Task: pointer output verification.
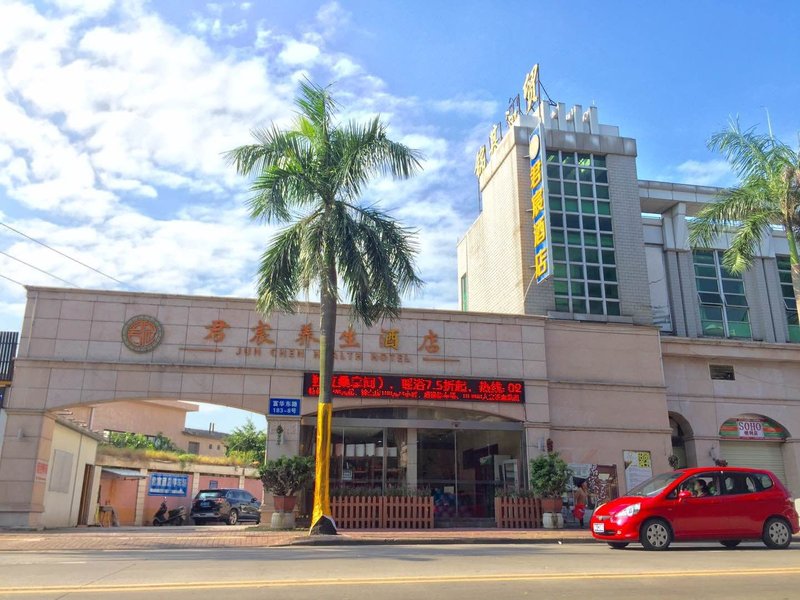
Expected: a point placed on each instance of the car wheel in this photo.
(618, 545)
(730, 543)
(156, 523)
(233, 517)
(776, 533)
(655, 535)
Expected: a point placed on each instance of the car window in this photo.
(209, 494)
(702, 485)
(762, 481)
(247, 497)
(652, 487)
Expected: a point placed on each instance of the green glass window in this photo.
(581, 282)
(790, 305)
(723, 304)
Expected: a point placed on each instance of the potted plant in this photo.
(283, 478)
(549, 475)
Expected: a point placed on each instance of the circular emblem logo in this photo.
(142, 333)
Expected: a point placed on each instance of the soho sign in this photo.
(751, 429)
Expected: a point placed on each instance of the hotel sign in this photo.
(539, 204)
(402, 387)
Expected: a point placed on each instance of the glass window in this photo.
(574, 234)
(721, 314)
(790, 304)
(552, 157)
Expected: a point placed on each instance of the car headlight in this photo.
(631, 510)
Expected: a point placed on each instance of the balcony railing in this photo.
(8, 350)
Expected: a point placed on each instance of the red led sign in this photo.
(402, 387)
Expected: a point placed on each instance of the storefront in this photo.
(459, 457)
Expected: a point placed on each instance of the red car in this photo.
(728, 504)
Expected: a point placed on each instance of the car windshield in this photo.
(210, 494)
(654, 485)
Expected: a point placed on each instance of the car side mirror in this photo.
(684, 494)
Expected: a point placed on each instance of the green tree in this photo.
(246, 442)
(768, 194)
(310, 177)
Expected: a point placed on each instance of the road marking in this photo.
(209, 585)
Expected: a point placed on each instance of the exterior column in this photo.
(25, 448)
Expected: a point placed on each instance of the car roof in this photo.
(222, 490)
(706, 469)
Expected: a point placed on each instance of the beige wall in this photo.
(767, 383)
(579, 378)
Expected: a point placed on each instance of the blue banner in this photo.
(168, 484)
(284, 407)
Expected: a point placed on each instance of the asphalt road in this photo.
(462, 572)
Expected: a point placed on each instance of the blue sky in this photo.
(114, 113)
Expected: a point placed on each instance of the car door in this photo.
(749, 501)
(698, 517)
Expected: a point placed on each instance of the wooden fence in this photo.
(518, 513)
(382, 512)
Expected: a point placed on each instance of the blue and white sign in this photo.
(284, 407)
(168, 484)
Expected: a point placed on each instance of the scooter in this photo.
(164, 516)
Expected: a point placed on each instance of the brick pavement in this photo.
(135, 538)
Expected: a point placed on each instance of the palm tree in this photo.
(768, 194)
(309, 177)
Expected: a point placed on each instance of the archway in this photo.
(681, 430)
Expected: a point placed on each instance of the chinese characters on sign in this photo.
(418, 388)
(638, 467)
(480, 161)
(539, 205)
(284, 407)
(167, 484)
(530, 88)
(216, 331)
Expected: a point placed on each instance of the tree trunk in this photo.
(321, 521)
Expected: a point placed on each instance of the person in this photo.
(700, 488)
(581, 500)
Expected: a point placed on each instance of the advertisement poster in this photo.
(601, 483)
(638, 467)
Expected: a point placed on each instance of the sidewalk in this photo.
(133, 538)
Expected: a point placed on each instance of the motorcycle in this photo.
(165, 516)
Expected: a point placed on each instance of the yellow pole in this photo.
(322, 499)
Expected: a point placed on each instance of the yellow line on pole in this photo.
(144, 587)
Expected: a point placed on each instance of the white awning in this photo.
(124, 473)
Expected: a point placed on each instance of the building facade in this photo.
(567, 230)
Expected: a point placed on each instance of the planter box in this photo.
(518, 513)
(382, 512)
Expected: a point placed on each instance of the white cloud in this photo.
(299, 53)
(712, 172)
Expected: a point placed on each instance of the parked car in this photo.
(727, 504)
(225, 504)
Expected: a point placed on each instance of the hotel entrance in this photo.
(458, 457)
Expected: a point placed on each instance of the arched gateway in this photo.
(449, 399)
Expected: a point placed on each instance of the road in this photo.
(463, 572)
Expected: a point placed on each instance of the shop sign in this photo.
(399, 387)
(284, 407)
(752, 427)
(539, 205)
(168, 484)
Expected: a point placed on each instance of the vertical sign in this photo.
(539, 203)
